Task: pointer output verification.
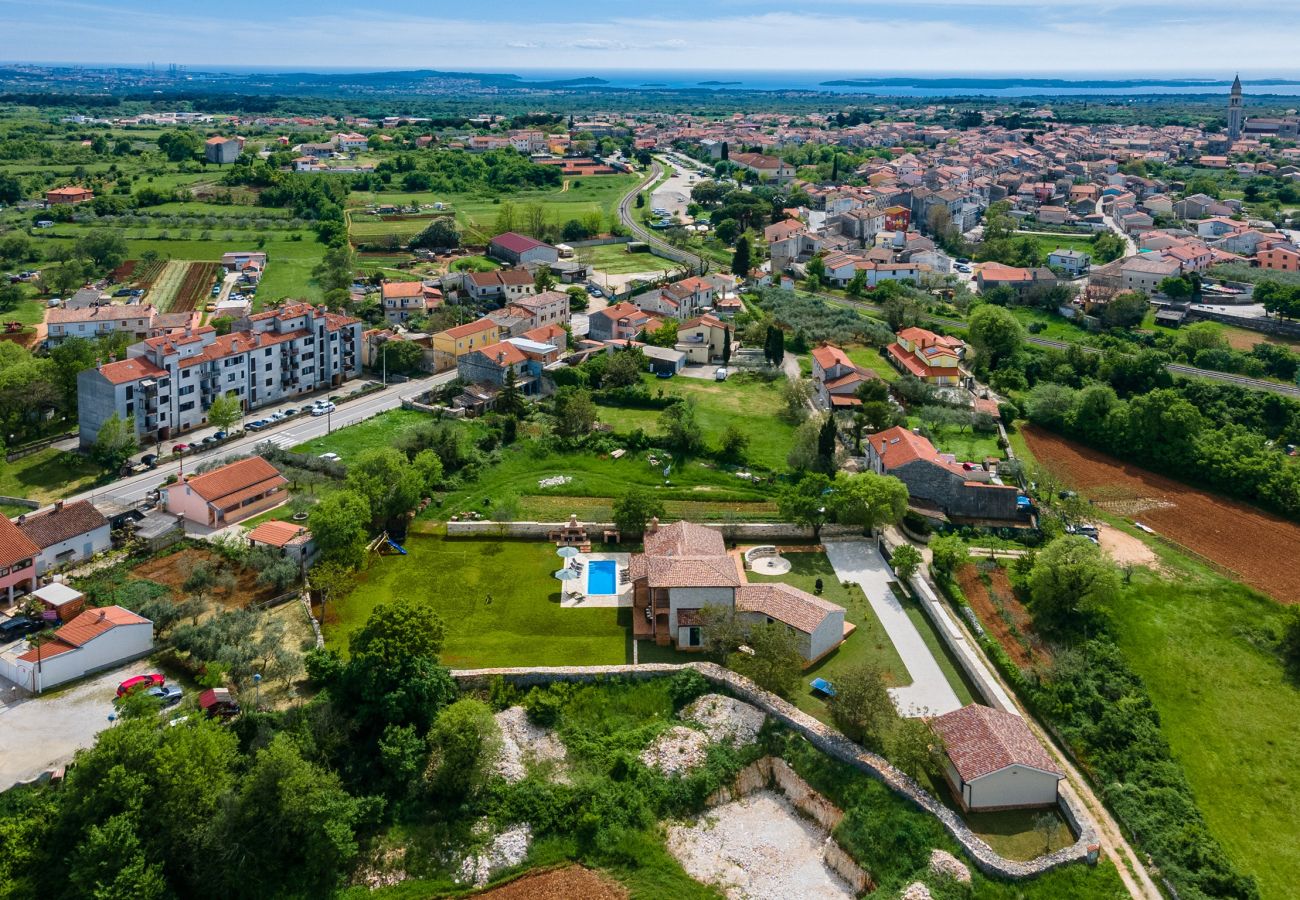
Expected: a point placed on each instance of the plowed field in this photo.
(1262, 549)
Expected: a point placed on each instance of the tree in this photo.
(734, 444)
(857, 286)
(913, 747)
(105, 249)
(384, 477)
(1125, 310)
(634, 510)
(681, 428)
(225, 411)
(815, 273)
(543, 279)
(796, 394)
(995, 333)
(578, 298)
(464, 744)
(115, 443)
(1071, 579)
(906, 560)
(805, 502)
(775, 664)
(740, 261)
(726, 345)
(774, 346)
(441, 234)
(948, 552)
(826, 445)
(428, 467)
(338, 525)
(510, 402)
(67, 278)
(624, 368)
(575, 412)
(861, 707)
(868, 500)
(1175, 288)
(1049, 404)
(1289, 644)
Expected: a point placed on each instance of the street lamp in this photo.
(257, 689)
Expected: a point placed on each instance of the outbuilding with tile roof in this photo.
(995, 761)
(96, 639)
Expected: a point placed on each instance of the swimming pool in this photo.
(602, 577)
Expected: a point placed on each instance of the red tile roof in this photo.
(278, 533)
(980, 741)
(83, 629)
(392, 289)
(786, 604)
(132, 369)
(223, 484)
(58, 525)
(14, 545)
(517, 243)
(828, 357)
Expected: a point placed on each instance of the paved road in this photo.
(929, 694)
(285, 434)
(644, 234)
(43, 733)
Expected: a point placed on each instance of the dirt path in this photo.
(564, 186)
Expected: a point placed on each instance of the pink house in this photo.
(228, 494)
(17, 561)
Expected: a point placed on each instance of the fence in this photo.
(274, 601)
(765, 532)
(37, 446)
(1265, 325)
(20, 501)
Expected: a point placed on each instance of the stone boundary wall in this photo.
(774, 772)
(825, 739)
(1265, 325)
(767, 532)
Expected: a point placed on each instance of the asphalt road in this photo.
(646, 235)
(286, 434)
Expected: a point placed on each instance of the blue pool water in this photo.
(602, 577)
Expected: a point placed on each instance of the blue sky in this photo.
(1207, 37)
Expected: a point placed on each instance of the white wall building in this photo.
(96, 639)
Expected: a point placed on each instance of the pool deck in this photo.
(582, 600)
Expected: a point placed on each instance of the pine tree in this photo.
(826, 445)
(726, 346)
(835, 169)
(740, 259)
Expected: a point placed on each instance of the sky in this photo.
(1203, 37)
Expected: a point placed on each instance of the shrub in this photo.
(685, 686)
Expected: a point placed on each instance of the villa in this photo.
(686, 567)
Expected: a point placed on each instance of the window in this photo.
(186, 391)
(230, 379)
(130, 408)
(186, 407)
(270, 381)
(693, 636)
(266, 352)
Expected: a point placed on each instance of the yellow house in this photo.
(702, 339)
(450, 345)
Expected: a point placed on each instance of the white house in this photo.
(994, 760)
(97, 639)
(66, 534)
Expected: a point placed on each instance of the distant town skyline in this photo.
(990, 36)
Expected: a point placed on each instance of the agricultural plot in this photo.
(1246, 541)
(181, 285)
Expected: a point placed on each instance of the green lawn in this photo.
(377, 432)
(870, 358)
(964, 443)
(1227, 708)
(753, 406)
(48, 475)
(615, 260)
(491, 619)
(868, 644)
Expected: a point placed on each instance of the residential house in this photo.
(135, 320)
(704, 339)
(994, 760)
(767, 168)
(1282, 258)
(680, 300)
(518, 249)
(17, 562)
(289, 539)
(686, 568)
(351, 142)
(241, 261)
(836, 378)
(933, 358)
(68, 533)
(228, 494)
(1145, 271)
(221, 150)
(1074, 262)
(546, 308)
(939, 487)
(490, 364)
(167, 383)
(504, 285)
(72, 194)
(621, 322)
(95, 640)
(403, 299)
(452, 344)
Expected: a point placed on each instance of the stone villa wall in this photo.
(829, 741)
(766, 532)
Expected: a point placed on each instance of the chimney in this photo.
(58, 506)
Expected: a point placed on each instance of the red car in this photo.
(180, 448)
(140, 681)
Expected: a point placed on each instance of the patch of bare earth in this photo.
(524, 744)
(1002, 615)
(569, 883)
(1256, 546)
(1127, 550)
(758, 847)
(173, 569)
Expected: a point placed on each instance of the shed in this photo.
(995, 761)
(664, 361)
(96, 639)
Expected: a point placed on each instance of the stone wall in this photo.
(766, 532)
(1264, 324)
(824, 738)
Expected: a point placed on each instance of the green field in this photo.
(491, 620)
(964, 443)
(752, 406)
(377, 432)
(48, 475)
(615, 260)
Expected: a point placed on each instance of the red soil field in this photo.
(998, 618)
(1261, 549)
(558, 884)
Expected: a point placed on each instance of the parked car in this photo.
(322, 407)
(149, 459)
(277, 416)
(257, 425)
(169, 694)
(220, 435)
(180, 448)
(209, 440)
(330, 457)
(154, 679)
(965, 270)
(18, 627)
(125, 292)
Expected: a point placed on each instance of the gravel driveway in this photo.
(43, 732)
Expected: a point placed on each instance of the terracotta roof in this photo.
(132, 369)
(546, 334)
(83, 629)
(786, 604)
(503, 354)
(279, 533)
(993, 271)
(58, 525)
(402, 289)
(517, 243)
(917, 367)
(898, 446)
(14, 545)
(685, 539)
(219, 485)
(980, 741)
(828, 357)
(475, 327)
(107, 312)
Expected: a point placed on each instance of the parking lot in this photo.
(42, 733)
